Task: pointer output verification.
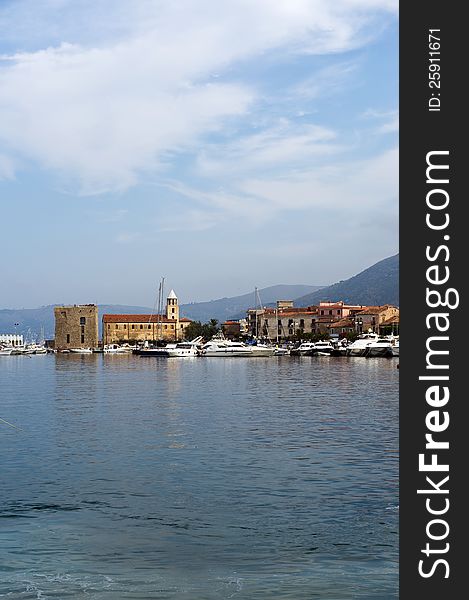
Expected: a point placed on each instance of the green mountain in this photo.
(377, 285)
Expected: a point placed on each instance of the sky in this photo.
(221, 145)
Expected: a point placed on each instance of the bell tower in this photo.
(172, 307)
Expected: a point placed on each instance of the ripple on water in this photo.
(198, 479)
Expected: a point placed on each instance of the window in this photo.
(330, 312)
(82, 339)
(302, 323)
(133, 326)
(279, 323)
(172, 310)
(125, 326)
(149, 327)
(82, 320)
(109, 326)
(338, 312)
(117, 326)
(68, 338)
(322, 312)
(141, 326)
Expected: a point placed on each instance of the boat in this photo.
(360, 345)
(263, 350)
(340, 349)
(220, 346)
(380, 347)
(81, 350)
(281, 351)
(395, 347)
(185, 349)
(116, 349)
(5, 351)
(304, 349)
(157, 351)
(323, 348)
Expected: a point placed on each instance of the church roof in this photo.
(172, 295)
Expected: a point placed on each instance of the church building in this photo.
(146, 328)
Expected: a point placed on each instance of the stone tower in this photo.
(172, 307)
(76, 326)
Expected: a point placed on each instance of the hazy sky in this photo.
(223, 145)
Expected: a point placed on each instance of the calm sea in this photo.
(198, 479)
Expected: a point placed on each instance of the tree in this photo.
(206, 330)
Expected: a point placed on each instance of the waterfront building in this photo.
(372, 318)
(342, 327)
(146, 327)
(286, 321)
(76, 326)
(11, 339)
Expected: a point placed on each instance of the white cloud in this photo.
(101, 107)
(286, 145)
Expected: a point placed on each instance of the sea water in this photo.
(205, 478)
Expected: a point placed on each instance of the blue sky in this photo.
(222, 145)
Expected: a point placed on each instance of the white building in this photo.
(11, 339)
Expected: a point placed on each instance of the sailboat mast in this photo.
(255, 305)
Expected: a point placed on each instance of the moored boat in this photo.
(185, 349)
(304, 349)
(323, 348)
(360, 345)
(381, 347)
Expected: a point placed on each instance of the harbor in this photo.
(327, 329)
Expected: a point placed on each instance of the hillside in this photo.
(229, 308)
(377, 285)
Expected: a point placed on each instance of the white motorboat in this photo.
(323, 348)
(5, 351)
(304, 349)
(116, 349)
(81, 350)
(185, 349)
(219, 346)
(379, 347)
(360, 345)
(281, 351)
(263, 350)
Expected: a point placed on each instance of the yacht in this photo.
(116, 349)
(395, 347)
(304, 349)
(184, 349)
(380, 347)
(5, 351)
(323, 348)
(263, 349)
(360, 345)
(81, 350)
(219, 346)
(158, 351)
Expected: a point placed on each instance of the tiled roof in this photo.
(371, 310)
(342, 323)
(391, 320)
(139, 319)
